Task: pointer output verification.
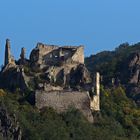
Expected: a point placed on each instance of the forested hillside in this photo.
(119, 118)
(119, 67)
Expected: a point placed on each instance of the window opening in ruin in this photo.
(56, 56)
(50, 55)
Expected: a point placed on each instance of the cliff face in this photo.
(9, 126)
(134, 69)
(134, 77)
(13, 77)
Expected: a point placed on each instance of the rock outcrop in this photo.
(134, 68)
(9, 126)
(13, 77)
(134, 77)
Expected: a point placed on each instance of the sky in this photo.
(97, 24)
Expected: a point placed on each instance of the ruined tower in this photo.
(22, 56)
(95, 101)
(98, 90)
(8, 58)
(7, 53)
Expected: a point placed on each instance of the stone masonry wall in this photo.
(95, 102)
(79, 55)
(62, 100)
(45, 49)
(50, 54)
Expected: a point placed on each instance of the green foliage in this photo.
(112, 64)
(121, 112)
(119, 119)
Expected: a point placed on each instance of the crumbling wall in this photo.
(54, 55)
(95, 101)
(62, 100)
(41, 53)
(45, 49)
(79, 55)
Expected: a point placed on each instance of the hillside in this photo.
(118, 119)
(121, 66)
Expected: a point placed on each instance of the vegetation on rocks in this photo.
(119, 118)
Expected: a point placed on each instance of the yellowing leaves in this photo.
(2, 93)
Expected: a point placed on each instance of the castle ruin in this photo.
(44, 55)
(57, 76)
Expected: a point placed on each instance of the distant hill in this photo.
(121, 66)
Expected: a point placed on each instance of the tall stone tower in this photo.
(95, 102)
(22, 56)
(7, 53)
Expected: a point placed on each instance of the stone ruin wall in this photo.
(95, 102)
(62, 100)
(49, 54)
(42, 51)
(45, 49)
(79, 55)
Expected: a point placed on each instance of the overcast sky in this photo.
(97, 24)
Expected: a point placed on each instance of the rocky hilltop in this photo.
(55, 77)
(54, 94)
